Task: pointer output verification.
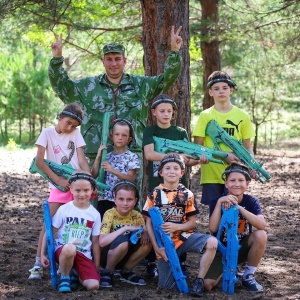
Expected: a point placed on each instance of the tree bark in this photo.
(158, 18)
(209, 44)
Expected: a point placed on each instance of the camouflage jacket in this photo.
(96, 97)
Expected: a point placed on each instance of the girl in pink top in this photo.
(62, 144)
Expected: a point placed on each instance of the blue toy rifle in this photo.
(164, 240)
(164, 146)
(229, 223)
(136, 235)
(50, 243)
(219, 135)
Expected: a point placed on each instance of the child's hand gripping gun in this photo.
(65, 171)
(50, 243)
(164, 240)
(229, 223)
(219, 135)
(164, 146)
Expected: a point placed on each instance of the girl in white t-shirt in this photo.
(63, 144)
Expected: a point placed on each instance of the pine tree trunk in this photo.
(158, 18)
(209, 44)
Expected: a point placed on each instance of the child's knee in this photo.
(209, 284)
(260, 237)
(68, 250)
(212, 243)
(91, 284)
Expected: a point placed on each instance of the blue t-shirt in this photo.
(248, 202)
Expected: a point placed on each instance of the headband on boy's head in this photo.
(131, 130)
(163, 99)
(72, 115)
(171, 159)
(126, 182)
(238, 169)
(230, 82)
(78, 176)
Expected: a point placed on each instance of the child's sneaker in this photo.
(105, 278)
(74, 279)
(151, 270)
(132, 278)
(117, 273)
(36, 272)
(197, 288)
(251, 284)
(64, 285)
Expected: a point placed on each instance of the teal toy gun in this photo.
(65, 171)
(164, 240)
(136, 235)
(104, 138)
(229, 223)
(219, 135)
(50, 243)
(164, 146)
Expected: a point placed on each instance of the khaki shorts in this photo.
(216, 267)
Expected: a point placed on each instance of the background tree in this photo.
(209, 44)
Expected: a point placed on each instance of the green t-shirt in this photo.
(174, 133)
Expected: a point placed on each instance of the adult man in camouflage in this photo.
(123, 95)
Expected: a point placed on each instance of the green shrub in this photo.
(12, 145)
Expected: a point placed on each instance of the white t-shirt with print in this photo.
(76, 226)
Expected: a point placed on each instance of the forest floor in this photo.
(21, 196)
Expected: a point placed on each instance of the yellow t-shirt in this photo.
(113, 221)
(236, 123)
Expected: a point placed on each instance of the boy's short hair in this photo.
(73, 111)
(126, 185)
(220, 76)
(236, 167)
(81, 174)
(123, 122)
(163, 98)
(171, 157)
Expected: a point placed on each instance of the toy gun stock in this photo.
(164, 240)
(136, 235)
(65, 171)
(229, 223)
(50, 243)
(219, 135)
(164, 146)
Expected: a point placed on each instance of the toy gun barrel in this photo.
(165, 145)
(50, 243)
(229, 223)
(65, 171)
(136, 235)
(104, 138)
(164, 240)
(219, 135)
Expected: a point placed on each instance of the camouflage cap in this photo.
(113, 48)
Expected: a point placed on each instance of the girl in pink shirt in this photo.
(62, 144)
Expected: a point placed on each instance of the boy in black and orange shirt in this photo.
(176, 204)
